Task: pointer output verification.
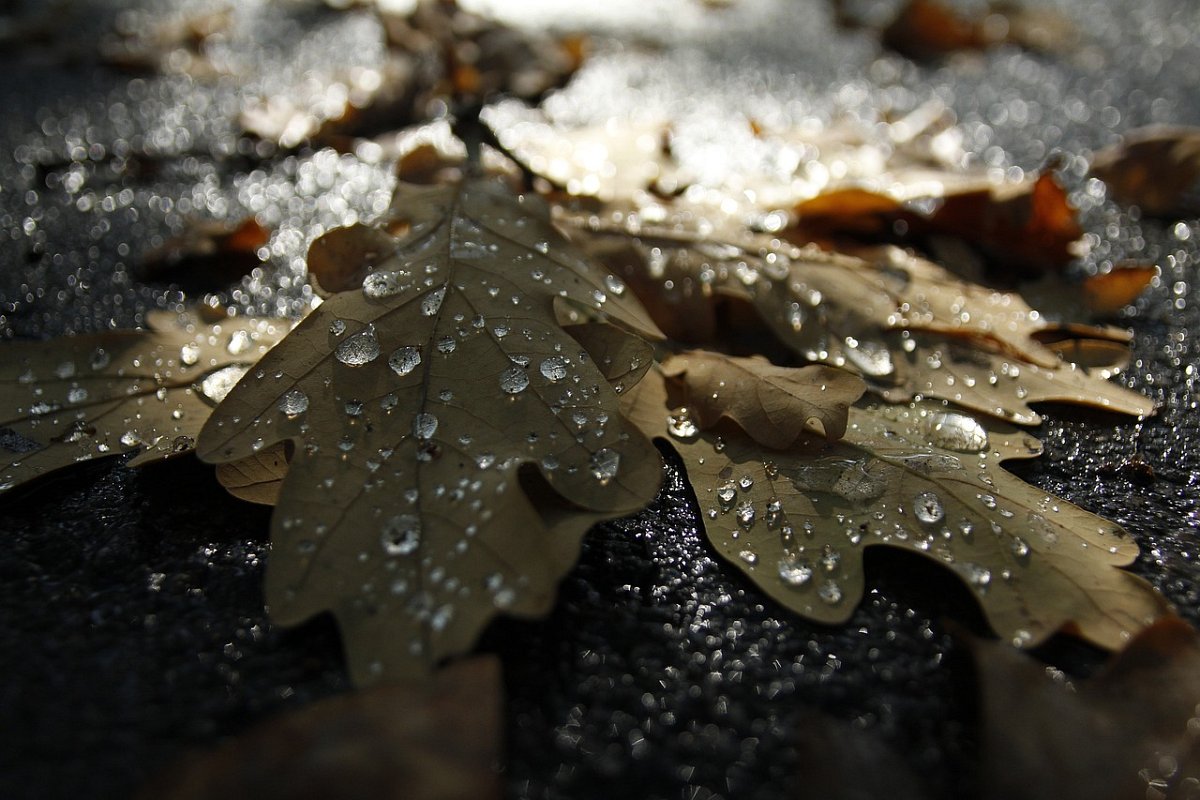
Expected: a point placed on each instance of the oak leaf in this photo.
(417, 398)
(922, 477)
(1155, 169)
(80, 397)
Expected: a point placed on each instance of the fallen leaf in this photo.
(927, 29)
(1155, 169)
(80, 397)
(258, 478)
(413, 396)
(908, 326)
(922, 477)
(428, 740)
(1129, 732)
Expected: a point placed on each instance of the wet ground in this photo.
(131, 619)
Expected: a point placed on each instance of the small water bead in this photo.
(337, 327)
(401, 535)
(513, 380)
(77, 394)
(404, 360)
(927, 507)
(830, 559)
(100, 359)
(726, 494)
(131, 439)
(746, 514)
(681, 425)
(359, 349)
(745, 483)
(1020, 547)
(554, 368)
(189, 354)
(605, 464)
(239, 342)
(977, 576)
(749, 556)
(830, 593)
(354, 408)
(793, 572)
(432, 302)
(293, 403)
(424, 426)
(66, 370)
(614, 285)
(446, 345)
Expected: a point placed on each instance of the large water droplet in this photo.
(361, 348)
(871, 358)
(189, 354)
(404, 360)
(554, 368)
(424, 426)
(217, 385)
(293, 403)
(401, 535)
(604, 464)
(927, 507)
(955, 431)
(383, 284)
(830, 593)
(681, 425)
(513, 380)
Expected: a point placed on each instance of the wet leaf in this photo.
(923, 477)
(258, 478)
(1129, 732)
(1155, 169)
(80, 397)
(908, 326)
(929, 29)
(414, 396)
(428, 740)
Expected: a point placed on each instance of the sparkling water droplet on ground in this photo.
(293, 403)
(513, 380)
(361, 348)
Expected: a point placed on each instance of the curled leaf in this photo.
(922, 477)
(1155, 169)
(414, 401)
(80, 397)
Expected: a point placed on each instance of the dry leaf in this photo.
(413, 397)
(1127, 734)
(906, 325)
(428, 740)
(207, 253)
(79, 397)
(258, 478)
(922, 477)
(928, 29)
(1156, 169)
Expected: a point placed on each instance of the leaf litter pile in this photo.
(840, 342)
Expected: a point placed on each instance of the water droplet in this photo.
(77, 394)
(927, 507)
(745, 514)
(239, 342)
(218, 385)
(793, 572)
(293, 403)
(1020, 547)
(131, 439)
(401, 535)
(745, 482)
(337, 327)
(830, 593)
(681, 425)
(485, 460)
(432, 302)
(446, 344)
(830, 559)
(384, 284)
(424, 426)
(361, 348)
(871, 358)
(513, 380)
(554, 368)
(977, 576)
(100, 359)
(959, 432)
(726, 493)
(604, 465)
(749, 556)
(189, 354)
(404, 360)
(65, 370)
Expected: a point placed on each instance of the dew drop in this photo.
(77, 394)
(927, 507)
(959, 432)
(830, 593)
(681, 425)
(131, 439)
(218, 385)
(793, 572)
(424, 426)
(361, 348)
(749, 556)
(554, 368)
(446, 344)
(977, 576)
(65, 370)
(239, 343)
(1020, 547)
(100, 359)
(337, 327)
(404, 360)
(726, 493)
(189, 354)
(293, 403)
(432, 302)
(513, 380)
(614, 284)
(745, 514)
(604, 464)
(401, 535)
